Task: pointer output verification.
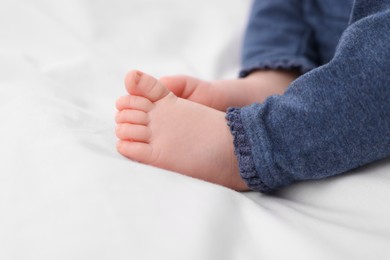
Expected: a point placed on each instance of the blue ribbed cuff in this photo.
(243, 151)
(301, 65)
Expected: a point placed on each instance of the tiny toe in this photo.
(176, 84)
(132, 116)
(181, 86)
(134, 102)
(131, 132)
(141, 84)
(141, 152)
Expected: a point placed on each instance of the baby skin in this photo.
(181, 128)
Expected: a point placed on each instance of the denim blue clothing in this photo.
(330, 120)
(293, 34)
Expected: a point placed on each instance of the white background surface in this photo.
(65, 193)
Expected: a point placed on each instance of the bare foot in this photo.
(156, 127)
(231, 93)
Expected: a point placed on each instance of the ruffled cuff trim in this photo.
(301, 65)
(242, 150)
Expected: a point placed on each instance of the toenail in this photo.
(137, 76)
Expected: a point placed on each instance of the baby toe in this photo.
(141, 84)
(134, 102)
(132, 116)
(141, 152)
(133, 132)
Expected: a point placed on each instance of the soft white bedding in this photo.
(65, 193)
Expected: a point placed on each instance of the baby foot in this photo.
(156, 127)
(222, 94)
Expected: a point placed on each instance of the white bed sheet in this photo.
(65, 193)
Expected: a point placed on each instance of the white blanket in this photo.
(65, 193)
